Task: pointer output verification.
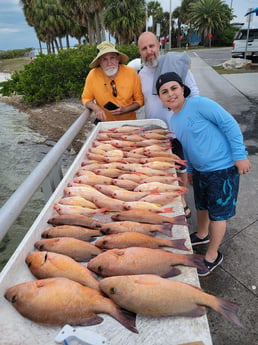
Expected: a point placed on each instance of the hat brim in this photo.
(122, 58)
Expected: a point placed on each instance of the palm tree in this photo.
(154, 10)
(124, 20)
(209, 16)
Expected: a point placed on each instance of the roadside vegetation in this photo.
(61, 73)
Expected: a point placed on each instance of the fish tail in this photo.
(196, 260)
(181, 161)
(168, 210)
(229, 310)
(173, 272)
(179, 244)
(180, 220)
(166, 229)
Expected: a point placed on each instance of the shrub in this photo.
(54, 77)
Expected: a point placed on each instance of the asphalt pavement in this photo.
(236, 278)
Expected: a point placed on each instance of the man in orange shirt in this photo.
(112, 81)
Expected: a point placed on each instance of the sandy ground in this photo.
(52, 120)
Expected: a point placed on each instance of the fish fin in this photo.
(195, 312)
(166, 229)
(154, 191)
(179, 244)
(172, 273)
(127, 319)
(103, 210)
(171, 174)
(180, 220)
(168, 210)
(94, 320)
(181, 161)
(229, 310)
(196, 260)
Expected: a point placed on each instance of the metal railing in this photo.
(42, 174)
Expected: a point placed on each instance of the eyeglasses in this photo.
(114, 89)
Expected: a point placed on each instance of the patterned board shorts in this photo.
(217, 192)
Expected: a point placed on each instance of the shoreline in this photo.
(52, 120)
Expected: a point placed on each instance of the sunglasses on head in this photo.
(114, 89)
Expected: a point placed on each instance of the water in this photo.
(21, 149)
(19, 155)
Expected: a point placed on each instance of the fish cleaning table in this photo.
(17, 330)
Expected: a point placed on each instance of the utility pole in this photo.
(146, 15)
(170, 20)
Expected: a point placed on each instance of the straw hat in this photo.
(104, 48)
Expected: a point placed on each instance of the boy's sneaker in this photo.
(196, 240)
(210, 266)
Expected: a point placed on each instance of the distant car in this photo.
(240, 44)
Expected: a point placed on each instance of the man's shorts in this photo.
(177, 149)
(217, 192)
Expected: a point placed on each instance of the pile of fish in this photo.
(104, 252)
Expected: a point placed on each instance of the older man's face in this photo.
(109, 63)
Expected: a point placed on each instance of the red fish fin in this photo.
(155, 191)
(171, 174)
(168, 210)
(181, 161)
(94, 320)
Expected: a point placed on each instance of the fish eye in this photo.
(29, 264)
(105, 242)
(14, 298)
(41, 247)
(112, 291)
(100, 269)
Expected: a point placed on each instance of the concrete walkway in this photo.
(237, 277)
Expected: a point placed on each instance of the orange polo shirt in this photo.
(97, 87)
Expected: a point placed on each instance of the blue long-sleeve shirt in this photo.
(210, 136)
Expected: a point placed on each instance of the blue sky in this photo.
(16, 34)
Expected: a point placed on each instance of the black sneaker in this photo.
(210, 266)
(196, 240)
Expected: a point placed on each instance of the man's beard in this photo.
(152, 63)
(111, 71)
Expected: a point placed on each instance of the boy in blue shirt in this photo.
(213, 147)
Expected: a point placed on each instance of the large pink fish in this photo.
(140, 260)
(136, 239)
(77, 249)
(79, 232)
(60, 301)
(49, 265)
(155, 296)
(78, 219)
(143, 216)
(144, 228)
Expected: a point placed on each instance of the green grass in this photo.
(12, 65)
(250, 69)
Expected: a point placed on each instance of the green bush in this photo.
(11, 54)
(53, 77)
